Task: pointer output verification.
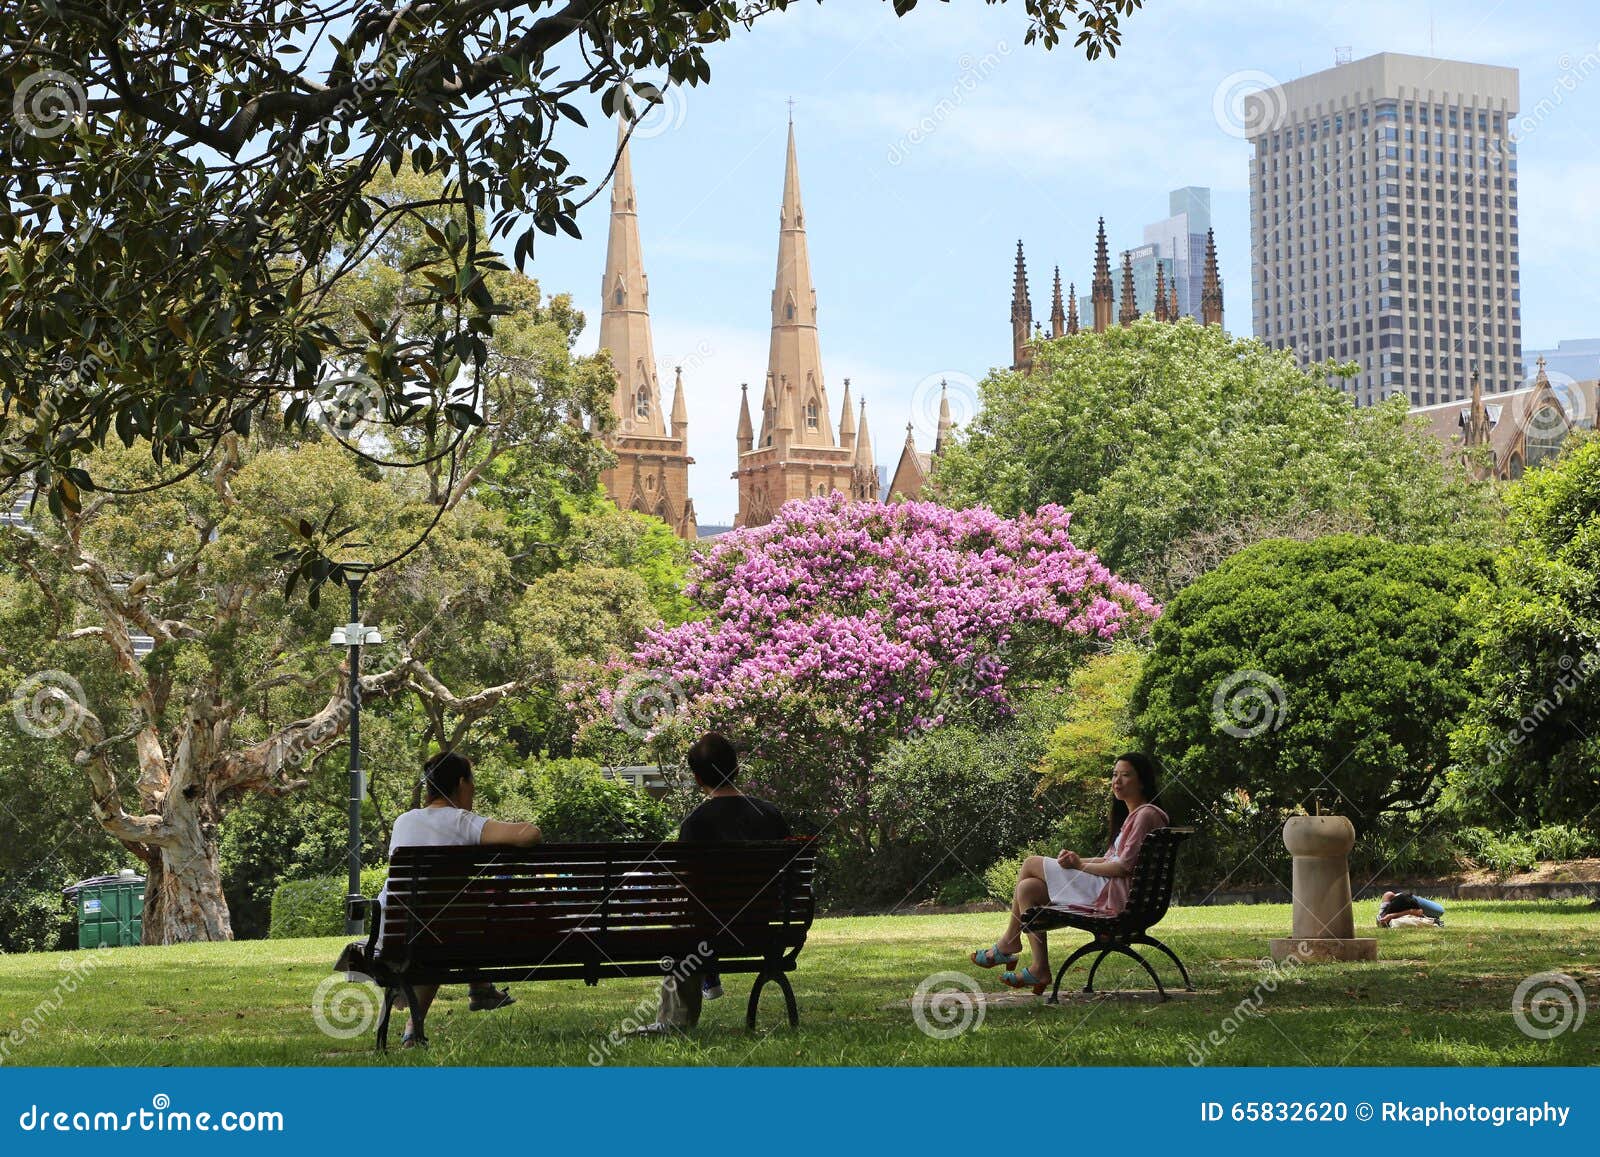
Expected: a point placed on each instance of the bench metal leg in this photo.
(1123, 950)
(1171, 955)
(383, 1019)
(784, 986)
(1082, 951)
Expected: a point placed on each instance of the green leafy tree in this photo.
(1331, 669)
(187, 187)
(240, 693)
(1175, 446)
(1530, 747)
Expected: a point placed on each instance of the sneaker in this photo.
(487, 999)
(654, 1028)
(712, 992)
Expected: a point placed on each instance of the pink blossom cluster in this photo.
(862, 618)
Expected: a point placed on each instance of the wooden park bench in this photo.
(1149, 896)
(586, 912)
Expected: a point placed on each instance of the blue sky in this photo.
(929, 144)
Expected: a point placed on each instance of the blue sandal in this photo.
(992, 957)
(1025, 979)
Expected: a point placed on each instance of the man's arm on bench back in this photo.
(497, 833)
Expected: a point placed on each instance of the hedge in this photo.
(315, 907)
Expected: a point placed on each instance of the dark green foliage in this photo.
(1530, 748)
(315, 907)
(574, 803)
(1327, 670)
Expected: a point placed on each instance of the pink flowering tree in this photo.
(840, 627)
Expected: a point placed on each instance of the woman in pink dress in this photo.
(1098, 885)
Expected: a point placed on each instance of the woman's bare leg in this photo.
(1030, 892)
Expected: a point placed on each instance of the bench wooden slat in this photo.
(586, 911)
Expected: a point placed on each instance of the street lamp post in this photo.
(352, 635)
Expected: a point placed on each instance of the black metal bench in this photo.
(1149, 896)
(587, 911)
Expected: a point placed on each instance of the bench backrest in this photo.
(1150, 891)
(609, 903)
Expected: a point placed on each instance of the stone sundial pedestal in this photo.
(1324, 924)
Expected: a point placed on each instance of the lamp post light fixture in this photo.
(354, 635)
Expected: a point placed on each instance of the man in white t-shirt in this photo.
(446, 819)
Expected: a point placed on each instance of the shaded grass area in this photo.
(1435, 997)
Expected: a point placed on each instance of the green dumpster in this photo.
(110, 909)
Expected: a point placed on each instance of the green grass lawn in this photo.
(1435, 997)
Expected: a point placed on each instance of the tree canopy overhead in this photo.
(187, 184)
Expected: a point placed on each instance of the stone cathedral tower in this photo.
(797, 453)
(652, 470)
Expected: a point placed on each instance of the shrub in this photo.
(1560, 842)
(1500, 853)
(1000, 878)
(574, 803)
(1332, 667)
(963, 889)
(315, 907)
(36, 922)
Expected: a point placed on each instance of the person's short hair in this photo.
(713, 760)
(443, 773)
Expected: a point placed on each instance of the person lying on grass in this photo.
(1097, 885)
(446, 819)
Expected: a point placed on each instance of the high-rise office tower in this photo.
(1383, 224)
(1180, 241)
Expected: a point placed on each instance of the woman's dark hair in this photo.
(443, 773)
(1145, 768)
(713, 760)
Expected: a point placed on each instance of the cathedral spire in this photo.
(1100, 291)
(1172, 299)
(1021, 313)
(625, 308)
(864, 441)
(1072, 307)
(795, 353)
(1130, 307)
(847, 421)
(1160, 310)
(944, 417)
(1211, 287)
(1058, 319)
(745, 434)
(680, 408)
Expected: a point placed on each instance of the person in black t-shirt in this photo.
(726, 816)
